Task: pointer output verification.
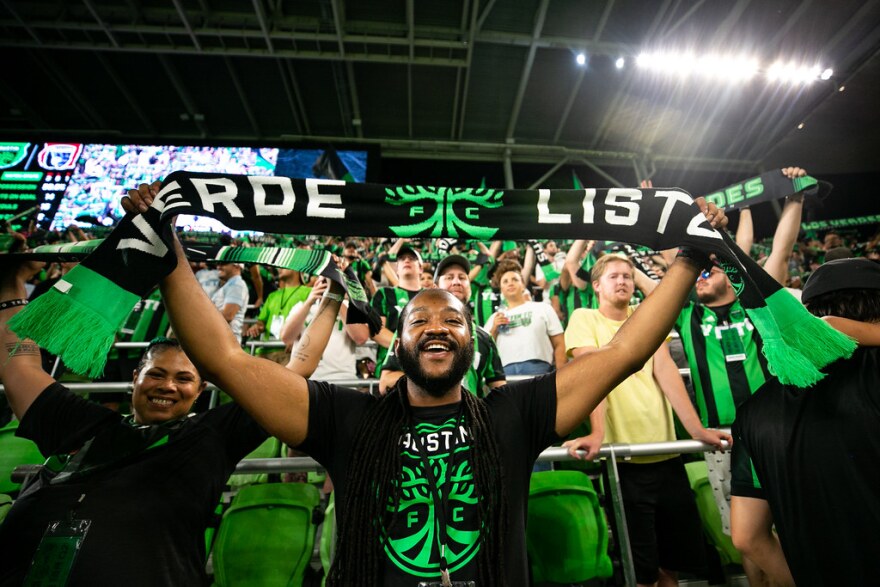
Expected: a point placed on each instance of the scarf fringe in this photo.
(811, 336)
(787, 363)
(79, 326)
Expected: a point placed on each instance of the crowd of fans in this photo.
(529, 317)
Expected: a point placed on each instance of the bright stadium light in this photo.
(797, 74)
(730, 68)
(581, 59)
(620, 63)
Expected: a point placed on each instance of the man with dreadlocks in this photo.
(431, 482)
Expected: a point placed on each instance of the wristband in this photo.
(392, 258)
(12, 304)
(333, 296)
(700, 258)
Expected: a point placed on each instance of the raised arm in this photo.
(307, 354)
(865, 333)
(293, 325)
(786, 231)
(277, 398)
(745, 231)
(573, 261)
(21, 369)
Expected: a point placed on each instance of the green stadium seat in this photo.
(270, 449)
(5, 505)
(15, 451)
(328, 537)
(699, 478)
(566, 536)
(267, 536)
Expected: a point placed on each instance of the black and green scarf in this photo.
(98, 294)
(770, 185)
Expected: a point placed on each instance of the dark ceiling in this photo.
(467, 80)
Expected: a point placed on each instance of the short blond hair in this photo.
(602, 264)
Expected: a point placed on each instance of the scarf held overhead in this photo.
(96, 296)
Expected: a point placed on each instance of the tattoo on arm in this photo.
(22, 348)
(301, 353)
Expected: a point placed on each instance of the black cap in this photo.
(408, 249)
(451, 260)
(857, 273)
(835, 253)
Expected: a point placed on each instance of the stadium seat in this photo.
(699, 478)
(567, 536)
(5, 505)
(328, 536)
(270, 449)
(266, 536)
(15, 451)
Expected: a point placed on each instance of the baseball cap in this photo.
(839, 274)
(407, 249)
(451, 260)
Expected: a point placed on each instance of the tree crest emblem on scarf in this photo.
(736, 280)
(453, 209)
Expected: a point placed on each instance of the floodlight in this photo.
(620, 63)
(581, 59)
(826, 75)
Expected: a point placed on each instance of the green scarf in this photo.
(97, 295)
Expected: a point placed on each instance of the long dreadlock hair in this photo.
(374, 481)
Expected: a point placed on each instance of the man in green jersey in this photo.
(389, 301)
(724, 354)
(275, 310)
(486, 370)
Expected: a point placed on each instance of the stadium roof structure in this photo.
(493, 80)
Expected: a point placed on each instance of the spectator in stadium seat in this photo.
(661, 515)
(486, 372)
(370, 446)
(231, 299)
(148, 483)
(806, 459)
(208, 277)
(528, 334)
(389, 301)
(274, 312)
(574, 289)
(360, 266)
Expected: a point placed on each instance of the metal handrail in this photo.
(620, 450)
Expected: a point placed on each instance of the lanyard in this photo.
(125, 444)
(440, 503)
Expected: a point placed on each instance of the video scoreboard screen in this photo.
(81, 184)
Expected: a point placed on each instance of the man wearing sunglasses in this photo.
(723, 349)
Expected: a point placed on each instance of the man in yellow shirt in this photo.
(661, 516)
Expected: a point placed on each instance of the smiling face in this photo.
(455, 280)
(434, 345)
(227, 271)
(615, 285)
(164, 386)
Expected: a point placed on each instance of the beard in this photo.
(462, 359)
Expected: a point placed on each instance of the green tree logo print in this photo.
(736, 280)
(444, 221)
